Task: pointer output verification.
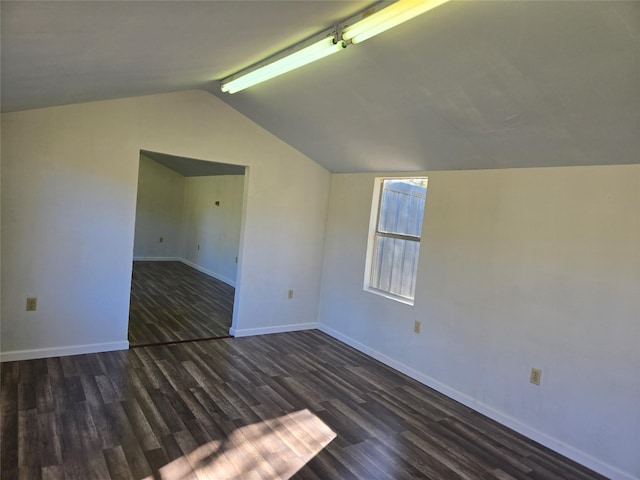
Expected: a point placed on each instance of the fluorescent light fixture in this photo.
(309, 54)
(388, 17)
(380, 20)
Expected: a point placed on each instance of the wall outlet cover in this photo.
(536, 376)
(32, 304)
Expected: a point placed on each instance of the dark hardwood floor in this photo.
(171, 301)
(256, 407)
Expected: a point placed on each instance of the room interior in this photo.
(523, 115)
(185, 251)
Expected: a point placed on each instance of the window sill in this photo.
(390, 296)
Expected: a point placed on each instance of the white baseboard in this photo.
(211, 273)
(157, 259)
(222, 278)
(62, 351)
(548, 441)
(248, 332)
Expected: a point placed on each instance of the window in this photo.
(394, 243)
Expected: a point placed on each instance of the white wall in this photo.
(214, 228)
(518, 269)
(183, 212)
(159, 211)
(69, 179)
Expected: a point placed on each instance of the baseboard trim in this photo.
(248, 332)
(537, 436)
(157, 259)
(189, 263)
(62, 351)
(222, 278)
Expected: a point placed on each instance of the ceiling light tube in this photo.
(309, 54)
(388, 17)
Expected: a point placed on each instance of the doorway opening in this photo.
(186, 249)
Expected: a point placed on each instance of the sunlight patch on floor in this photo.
(273, 449)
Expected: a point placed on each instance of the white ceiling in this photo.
(487, 84)
(191, 167)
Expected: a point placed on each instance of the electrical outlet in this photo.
(290, 293)
(416, 326)
(32, 304)
(535, 376)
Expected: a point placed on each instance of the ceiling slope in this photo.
(469, 85)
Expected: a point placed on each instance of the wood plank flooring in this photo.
(171, 301)
(255, 407)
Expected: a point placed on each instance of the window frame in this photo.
(375, 233)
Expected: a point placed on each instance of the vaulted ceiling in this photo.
(487, 84)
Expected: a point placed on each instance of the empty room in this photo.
(409, 233)
(185, 250)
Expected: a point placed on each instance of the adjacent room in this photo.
(416, 255)
(185, 251)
